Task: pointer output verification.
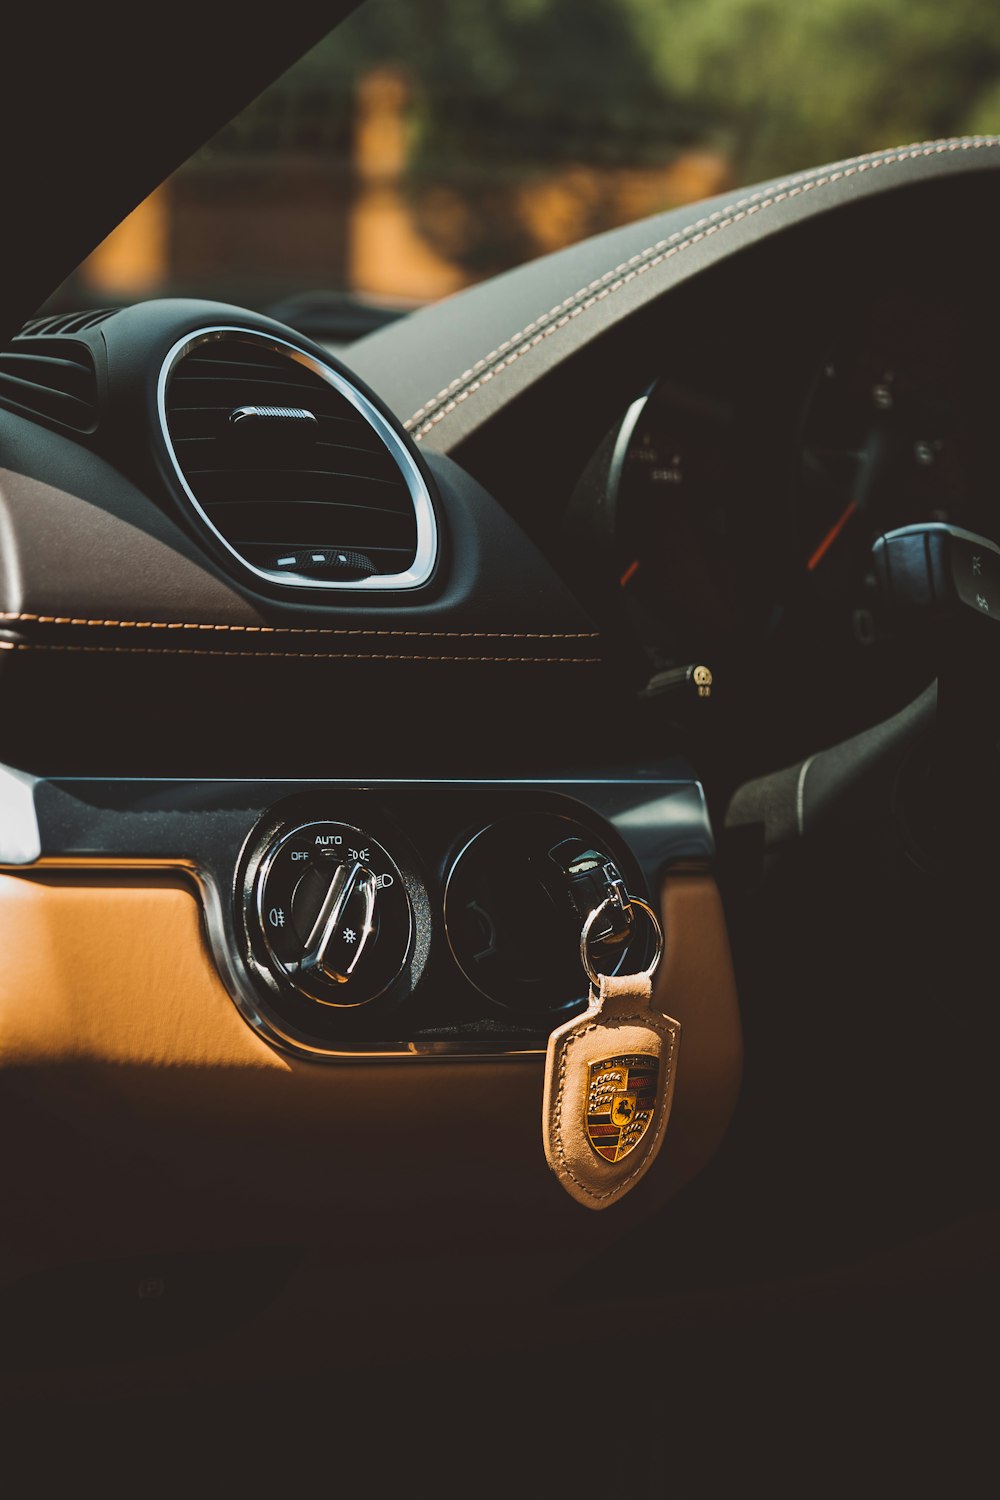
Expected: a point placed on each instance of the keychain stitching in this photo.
(664, 1028)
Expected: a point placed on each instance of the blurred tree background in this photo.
(427, 143)
(507, 93)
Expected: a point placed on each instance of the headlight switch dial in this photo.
(331, 907)
(344, 923)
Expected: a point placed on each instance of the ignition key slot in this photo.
(515, 898)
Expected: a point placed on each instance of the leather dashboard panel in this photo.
(141, 1110)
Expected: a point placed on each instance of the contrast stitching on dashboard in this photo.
(450, 635)
(303, 655)
(529, 337)
(646, 1018)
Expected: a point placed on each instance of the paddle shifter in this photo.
(940, 571)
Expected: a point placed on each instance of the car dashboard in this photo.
(331, 677)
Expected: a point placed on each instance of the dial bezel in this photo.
(326, 992)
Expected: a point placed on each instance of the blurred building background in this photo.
(430, 143)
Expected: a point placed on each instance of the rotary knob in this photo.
(340, 934)
(332, 908)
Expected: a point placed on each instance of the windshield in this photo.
(423, 147)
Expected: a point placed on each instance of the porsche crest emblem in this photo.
(621, 1096)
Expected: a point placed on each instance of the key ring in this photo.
(644, 906)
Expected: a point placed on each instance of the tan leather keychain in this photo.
(609, 1079)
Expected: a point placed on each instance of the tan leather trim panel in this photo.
(138, 1108)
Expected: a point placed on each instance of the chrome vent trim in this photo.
(426, 548)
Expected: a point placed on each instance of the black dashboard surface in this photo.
(763, 420)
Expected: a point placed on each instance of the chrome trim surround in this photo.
(20, 837)
(80, 830)
(243, 999)
(425, 556)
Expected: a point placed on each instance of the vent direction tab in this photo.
(250, 418)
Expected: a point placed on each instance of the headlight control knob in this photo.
(332, 909)
(344, 923)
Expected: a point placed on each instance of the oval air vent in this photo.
(294, 470)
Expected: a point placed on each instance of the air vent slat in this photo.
(52, 379)
(285, 485)
(209, 382)
(42, 393)
(375, 450)
(336, 483)
(54, 362)
(299, 524)
(65, 323)
(242, 352)
(196, 366)
(283, 372)
(320, 508)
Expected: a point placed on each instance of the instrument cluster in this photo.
(732, 524)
